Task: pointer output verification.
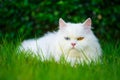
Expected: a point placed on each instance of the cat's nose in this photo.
(73, 44)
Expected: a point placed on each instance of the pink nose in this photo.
(73, 44)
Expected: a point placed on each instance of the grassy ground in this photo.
(25, 67)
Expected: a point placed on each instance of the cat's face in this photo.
(75, 36)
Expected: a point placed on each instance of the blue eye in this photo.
(67, 38)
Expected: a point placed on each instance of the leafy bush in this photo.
(30, 18)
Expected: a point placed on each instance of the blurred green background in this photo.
(32, 18)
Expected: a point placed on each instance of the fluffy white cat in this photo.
(75, 41)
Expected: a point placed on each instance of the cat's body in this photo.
(76, 42)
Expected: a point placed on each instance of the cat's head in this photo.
(75, 35)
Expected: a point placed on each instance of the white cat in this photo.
(76, 42)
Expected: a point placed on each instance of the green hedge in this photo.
(30, 18)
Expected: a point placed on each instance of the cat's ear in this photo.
(62, 23)
(87, 23)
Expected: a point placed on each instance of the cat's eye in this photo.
(80, 38)
(67, 38)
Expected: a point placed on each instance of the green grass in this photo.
(16, 65)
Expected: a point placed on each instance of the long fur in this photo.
(55, 45)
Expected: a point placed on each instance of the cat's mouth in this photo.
(72, 48)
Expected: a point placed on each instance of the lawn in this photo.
(15, 65)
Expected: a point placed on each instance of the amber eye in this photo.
(80, 38)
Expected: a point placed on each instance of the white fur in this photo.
(54, 44)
